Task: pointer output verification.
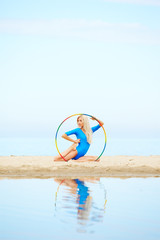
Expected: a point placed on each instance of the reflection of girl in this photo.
(82, 192)
(78, 187)
(84, 200)
(84, 139)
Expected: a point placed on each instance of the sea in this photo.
(47, 147)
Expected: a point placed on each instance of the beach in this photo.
(108, 166)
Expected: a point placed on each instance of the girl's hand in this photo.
(100, 122)
(77, 141)
(93, 118)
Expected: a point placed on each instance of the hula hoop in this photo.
(76, 115)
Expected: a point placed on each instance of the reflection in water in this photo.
(84, 200)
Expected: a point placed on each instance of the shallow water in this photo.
(95, 208)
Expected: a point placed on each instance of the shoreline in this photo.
(108, 166)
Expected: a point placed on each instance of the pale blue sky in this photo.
(98, 57)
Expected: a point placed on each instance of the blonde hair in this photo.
(87, 128)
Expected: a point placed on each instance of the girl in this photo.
(84, 138)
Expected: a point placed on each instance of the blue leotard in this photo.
(83, 146)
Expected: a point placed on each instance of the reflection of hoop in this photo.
(105, 194)
(86, 115)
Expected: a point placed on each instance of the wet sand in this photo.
(108, 166)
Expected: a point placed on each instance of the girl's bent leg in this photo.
(68, 156)
(71, 155)
(72, 147)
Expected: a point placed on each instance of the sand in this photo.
(108, 166)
